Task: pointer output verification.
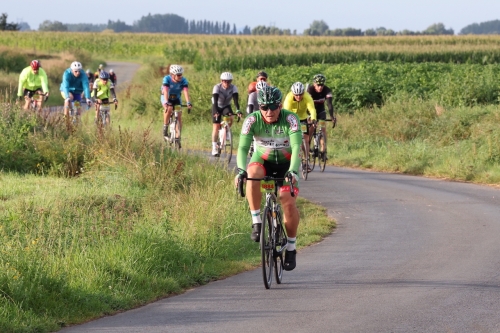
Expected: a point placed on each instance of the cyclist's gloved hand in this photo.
(67, 100)
(291, 177)
(314, 122)
(189, 107)
(115, 100)
(89, 102)
(240, 177)
(334, 122)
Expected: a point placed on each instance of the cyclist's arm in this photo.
(295, 134)
(165, 92)
(288, 103)
(186, 94)
(112, 90)
(236, 102)
(310, 105)
(94, 88)
(22, 79)
(65, 84)
(44, 80)
(85, 81)
(246, 138)
(215, 101)
(330, 106)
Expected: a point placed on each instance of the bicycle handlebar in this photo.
(266, 178)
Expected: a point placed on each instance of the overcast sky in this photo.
(415, 15)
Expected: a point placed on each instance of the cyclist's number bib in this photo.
(303, 127)
(172, 97)
(267, 186)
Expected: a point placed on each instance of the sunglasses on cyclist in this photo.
(269, 107)
(178, 75)
(262, 79)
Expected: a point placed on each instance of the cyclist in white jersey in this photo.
(222, 95)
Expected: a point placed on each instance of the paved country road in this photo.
(410, 254)
(124, 72)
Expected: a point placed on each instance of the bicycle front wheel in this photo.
(279, 246)
(266, 247)
(304, 165)
(228, 147)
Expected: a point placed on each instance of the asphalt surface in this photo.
(410, 254)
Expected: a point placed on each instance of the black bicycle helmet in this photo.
(104, 75)
(319, 79)
(269, 95)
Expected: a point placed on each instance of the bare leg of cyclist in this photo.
(215, 137)
(290, 212)
(254, 197)
(167, 112)
(26, 103)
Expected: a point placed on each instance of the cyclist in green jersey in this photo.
(33, 81)
(278, 137)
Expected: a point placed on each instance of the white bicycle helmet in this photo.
(111, 70)
(261, 85)
(297, 88)
(75, 65)
(226, 76)
(176, 69)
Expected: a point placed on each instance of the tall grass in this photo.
(422, 138)
(139, 223)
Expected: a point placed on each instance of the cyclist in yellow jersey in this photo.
(300, 101)
(33, 81)
(102, 91)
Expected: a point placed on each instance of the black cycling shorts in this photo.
(226, 111)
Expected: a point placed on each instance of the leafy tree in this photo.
(119, 26)
(438, 29)
(352, 32)
(161, 23)
(7, 26)
(317, 28)
(370, 32)
(52, 26)
(484, 28)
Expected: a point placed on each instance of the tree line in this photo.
(172, 23)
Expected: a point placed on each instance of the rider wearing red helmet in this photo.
(33, 81)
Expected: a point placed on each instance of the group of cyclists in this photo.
(273, 126)
(75, 86)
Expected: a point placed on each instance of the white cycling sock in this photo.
(214, 145)
(256, 216)
(291, 243)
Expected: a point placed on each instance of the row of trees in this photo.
(172, 23)
(320, 28)
(166, 23)
(4, 25)
(484, 28)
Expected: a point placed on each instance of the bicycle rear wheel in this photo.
(322, 161)
(304, 165)
(280, 245)
(266, 247)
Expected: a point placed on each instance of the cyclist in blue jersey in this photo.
(74, 83)
(173, 85)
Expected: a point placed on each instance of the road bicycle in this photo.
(316, 153)
(172, 138)
(104, 117)
(34, 104)
(273, 239)
(225, 140)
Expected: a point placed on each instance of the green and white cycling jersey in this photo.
(277, 143)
